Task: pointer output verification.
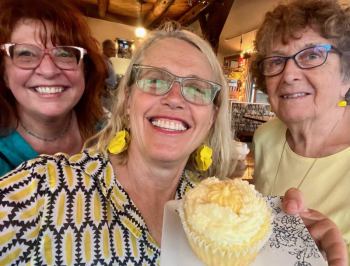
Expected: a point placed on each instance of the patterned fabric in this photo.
(238, 110)
(61, 210)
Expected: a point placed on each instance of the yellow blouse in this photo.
(327, 186)
(61, 210)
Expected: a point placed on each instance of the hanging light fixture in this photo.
(140, 31)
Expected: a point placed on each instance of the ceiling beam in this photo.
(103, 7)
(203, 24)
(214, 23)
(191, 15)
(158, 9)
(90, 10)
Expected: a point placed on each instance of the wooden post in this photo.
(217, 16)
(103, 7)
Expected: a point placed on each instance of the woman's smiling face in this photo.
(304, 94)
(167, 127)
(45, 91)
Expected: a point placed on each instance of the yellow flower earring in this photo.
(120, 142)
(342, 103)
(203, 157)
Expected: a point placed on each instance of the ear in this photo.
(345, 89)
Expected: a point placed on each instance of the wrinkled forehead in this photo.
(283, 37)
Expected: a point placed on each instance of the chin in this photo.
(166, 156)
(55, 112)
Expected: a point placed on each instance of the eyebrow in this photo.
(191, 76)
(307, 45)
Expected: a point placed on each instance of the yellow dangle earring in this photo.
(342, 103)
(120, 142)
(203, 157)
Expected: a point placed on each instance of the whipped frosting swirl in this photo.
(228, 212)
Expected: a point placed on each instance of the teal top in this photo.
(14, 150)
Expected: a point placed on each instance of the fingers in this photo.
(323, 230)
(327, 236)
(293, 202)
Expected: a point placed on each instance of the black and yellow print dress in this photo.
(61, 210)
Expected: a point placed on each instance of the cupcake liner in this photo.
(220, 255)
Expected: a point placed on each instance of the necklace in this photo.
(56, 138)
(308, 171)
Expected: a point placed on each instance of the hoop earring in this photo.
(342, 103)
(203, 157)
(120, 142)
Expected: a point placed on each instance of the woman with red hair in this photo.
(51, 77)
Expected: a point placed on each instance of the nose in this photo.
(47, 67)
(291, 71)
(174, 97)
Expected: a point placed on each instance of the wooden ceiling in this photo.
(153, 11)
(211, 14)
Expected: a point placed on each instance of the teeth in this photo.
(48, 90)
(171, 126)
(294, 95)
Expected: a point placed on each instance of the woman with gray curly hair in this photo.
(303, 64)
(105, 206)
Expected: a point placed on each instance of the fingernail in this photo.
(292, 206)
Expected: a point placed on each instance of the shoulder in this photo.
(8, 136)
(52, 167)
(14, 150)
(27, 181)
(274, 126)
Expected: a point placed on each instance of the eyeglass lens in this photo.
(29, 56)
(308, 58)
(157, 82)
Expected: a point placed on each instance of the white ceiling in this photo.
(245, 16)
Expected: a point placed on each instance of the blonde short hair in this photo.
(219, 136)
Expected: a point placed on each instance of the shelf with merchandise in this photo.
(236, 78)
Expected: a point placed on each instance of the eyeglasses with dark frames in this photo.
(29, 56)
(307, 58)
(157, 81)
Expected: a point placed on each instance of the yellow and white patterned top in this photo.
(61, 210)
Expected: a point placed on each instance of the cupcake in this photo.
(226, 222)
